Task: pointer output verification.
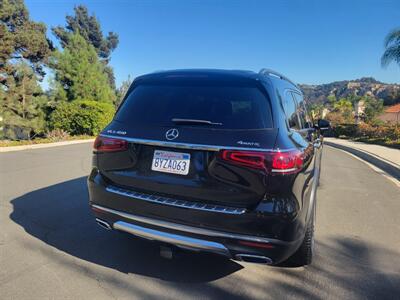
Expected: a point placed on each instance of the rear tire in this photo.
(304, 255)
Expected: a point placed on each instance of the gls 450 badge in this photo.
(121, 132)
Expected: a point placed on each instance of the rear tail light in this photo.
(273, 162)
(284, 162)
(246, 158)
(105, 144)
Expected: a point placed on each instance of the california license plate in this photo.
(171, 162)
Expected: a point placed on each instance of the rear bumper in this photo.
(173, 239)
(256, 232)
(272, 251)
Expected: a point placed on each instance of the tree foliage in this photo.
(392, 48)
(79, 73)
(21, 38)
(22, 104)
(342, 112)
(373, 108)
(24, 49)
(121, 91)
(354, 99)
(316, 110)
(344, 106)
(88, 26)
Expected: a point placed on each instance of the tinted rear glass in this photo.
(235, 106)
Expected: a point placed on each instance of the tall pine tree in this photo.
(89, 28)
(78, 72)
(22, 104)
(24, 49)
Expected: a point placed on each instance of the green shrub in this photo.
(386, 134)
(381, 132)
(347, 130)
(81, 117)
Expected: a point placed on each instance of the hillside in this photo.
(366, 86)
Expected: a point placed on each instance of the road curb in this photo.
(390, 168)
(41, 146)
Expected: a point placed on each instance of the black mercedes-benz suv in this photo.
(219, 161)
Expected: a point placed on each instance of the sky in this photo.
(310, 42)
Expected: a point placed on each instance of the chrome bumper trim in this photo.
(170, 238)
(176, 202)
(190, 229)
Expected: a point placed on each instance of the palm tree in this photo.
(392, 45)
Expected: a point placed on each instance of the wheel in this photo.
(304, 255)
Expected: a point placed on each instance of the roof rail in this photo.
(265, 71)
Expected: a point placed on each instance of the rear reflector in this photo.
(272, 162)
(105, 144)
(98, 210)
(256, 244)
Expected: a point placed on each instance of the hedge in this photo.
(81, 117)
(379, 134)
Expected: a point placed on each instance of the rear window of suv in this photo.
(235, 106)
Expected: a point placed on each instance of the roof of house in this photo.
(393, 109)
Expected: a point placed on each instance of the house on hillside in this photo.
(391, 114)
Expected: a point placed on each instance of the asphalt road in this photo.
(50, 246)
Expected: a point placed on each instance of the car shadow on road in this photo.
(59, 215)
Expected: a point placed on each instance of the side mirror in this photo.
(323, 126)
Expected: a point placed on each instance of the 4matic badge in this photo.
(248, 143)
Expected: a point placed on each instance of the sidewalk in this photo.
(387, 159)
(388, 154)
(45, 145)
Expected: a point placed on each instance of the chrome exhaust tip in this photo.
(254, 259)
(103, 224)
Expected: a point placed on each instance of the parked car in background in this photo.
(219, 161)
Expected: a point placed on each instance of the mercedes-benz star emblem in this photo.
(172, 134)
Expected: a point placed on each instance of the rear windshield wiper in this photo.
(194, 121)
